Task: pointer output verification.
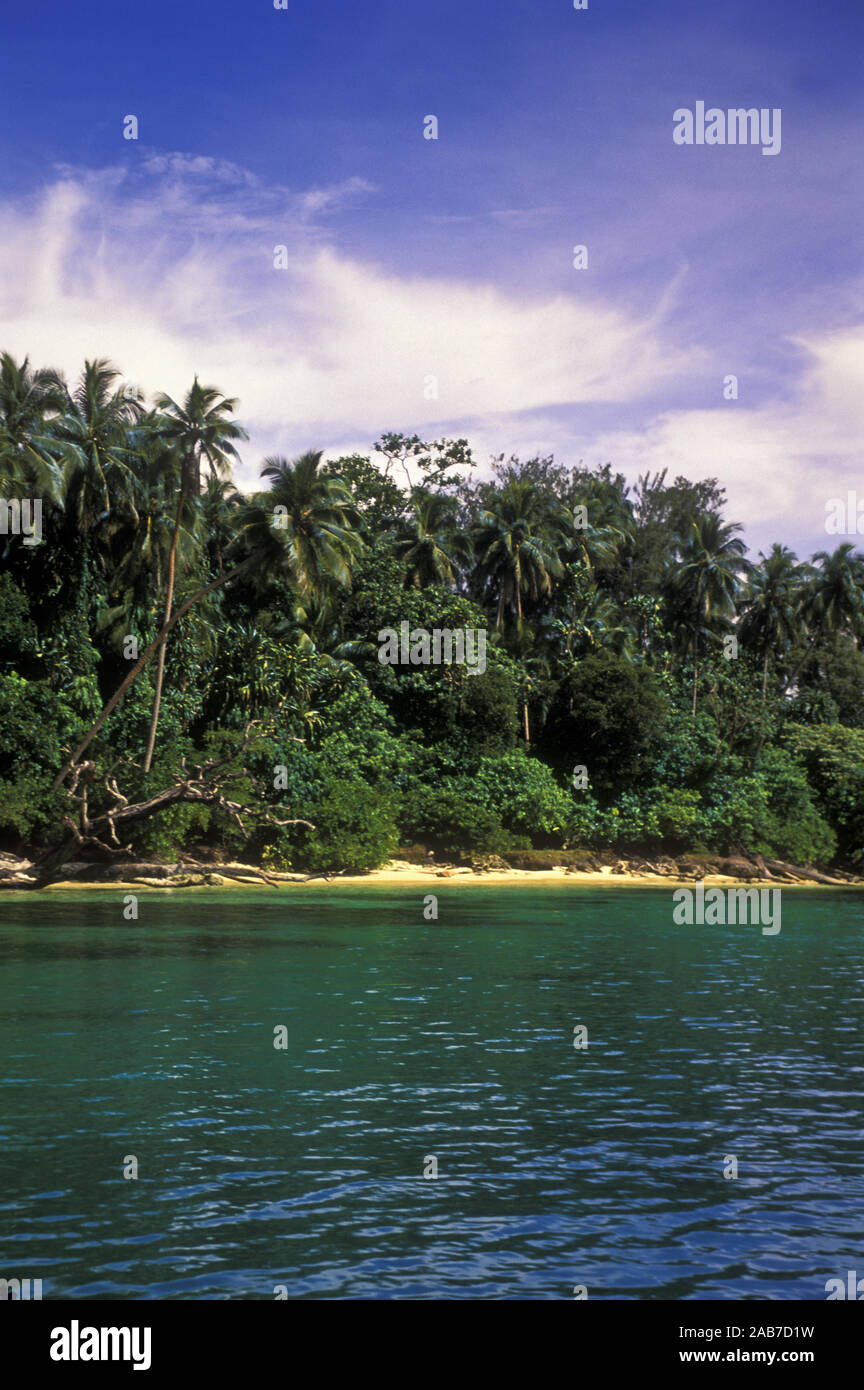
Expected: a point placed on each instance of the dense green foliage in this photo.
(715, 702)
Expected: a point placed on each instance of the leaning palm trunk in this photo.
(160, 667)
(158, 641)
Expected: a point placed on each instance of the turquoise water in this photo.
(409, 1039)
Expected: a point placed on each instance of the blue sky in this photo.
(409, 258)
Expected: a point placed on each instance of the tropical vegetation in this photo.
(183, 666)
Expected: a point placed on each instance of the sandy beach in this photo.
(397, 875)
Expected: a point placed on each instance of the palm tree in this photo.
(429, 542)
(95, 427)
(588, 622)
(592, 545)
(317, 544)
(315, 519)
(517, 540)
(200, 429)
(139, 550)
(771, 610)
(220, 504)
(833, 600)
(608, 531)
(836, 597)
(704, 582)
(28, 449)
(312, 625)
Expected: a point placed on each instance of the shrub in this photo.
(451, 823)
(28, 807)
(608, 715)
(524, 792)
(355, 830)
(833, 759)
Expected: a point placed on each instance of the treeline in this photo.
(646, 685)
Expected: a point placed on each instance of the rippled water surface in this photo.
(407, 1039)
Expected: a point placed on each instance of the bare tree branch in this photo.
(198, 784)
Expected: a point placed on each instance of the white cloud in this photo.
(780, 461)
(167, 268)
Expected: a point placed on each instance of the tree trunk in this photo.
(158, 640)
(793, 676)
(790, 679)
(101, 832)
(160, 668)
(695, 675)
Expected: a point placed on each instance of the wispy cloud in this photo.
(170, 269)
(167, 266)
(318, 200)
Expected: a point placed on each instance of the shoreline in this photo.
(392, 876)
